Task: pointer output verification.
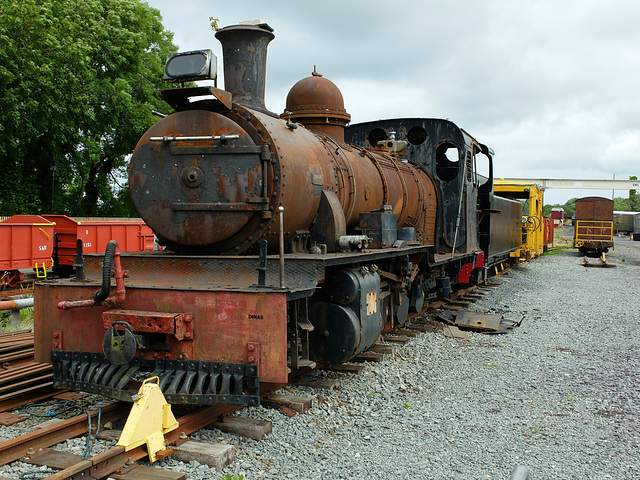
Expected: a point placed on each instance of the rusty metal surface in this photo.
(163, 270)
(593, 234)
(176, 324)
(205, 197)
(224, 322)
(482, 322)
(317, 103)
(594, 208)
(244, 49)
(182, 191)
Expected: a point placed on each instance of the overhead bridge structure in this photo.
(568, 184)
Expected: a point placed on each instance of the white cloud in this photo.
(550, 86)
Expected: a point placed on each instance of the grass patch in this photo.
(26, 320)
(557, 251)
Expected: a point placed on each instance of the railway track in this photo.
(29, 446)
(22, 380)
(34, 446)
(22, 289)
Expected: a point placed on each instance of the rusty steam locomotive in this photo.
(292, 240)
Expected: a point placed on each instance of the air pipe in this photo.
(111, 259)
(16, 304)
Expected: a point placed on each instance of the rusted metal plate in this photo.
(164, 270)
(224, 324)
(162, 179)
(482, 322)
(176, 324)
(454, 332)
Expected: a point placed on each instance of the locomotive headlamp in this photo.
(191, 66)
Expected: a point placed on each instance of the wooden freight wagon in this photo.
(593, 227)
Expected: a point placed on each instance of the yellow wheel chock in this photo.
(150, 418)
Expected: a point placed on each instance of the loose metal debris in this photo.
(468, 320)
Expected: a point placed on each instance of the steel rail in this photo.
(105, 463)
(18, 447)
(28, 395)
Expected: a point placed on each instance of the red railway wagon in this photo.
(26, 241)
(131, 237)
(549, 227)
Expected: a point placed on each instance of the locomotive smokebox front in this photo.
(202, 187)
(210, 177)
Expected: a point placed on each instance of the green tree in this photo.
(78, 83)
(569, 207)
(634, 198)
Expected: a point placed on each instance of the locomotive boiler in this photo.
(292, 240)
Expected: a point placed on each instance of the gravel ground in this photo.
(560, 394)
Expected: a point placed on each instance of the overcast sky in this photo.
(552, 86)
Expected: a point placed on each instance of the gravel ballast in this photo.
(560, 394)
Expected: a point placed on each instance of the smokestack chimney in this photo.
(244, 52)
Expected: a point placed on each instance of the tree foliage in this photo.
(78, 83)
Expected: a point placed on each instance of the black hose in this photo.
(109, 252)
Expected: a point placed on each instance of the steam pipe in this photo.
(16, 304)
(111, 259)
(281, 245)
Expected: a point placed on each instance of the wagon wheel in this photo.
(579, 243)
